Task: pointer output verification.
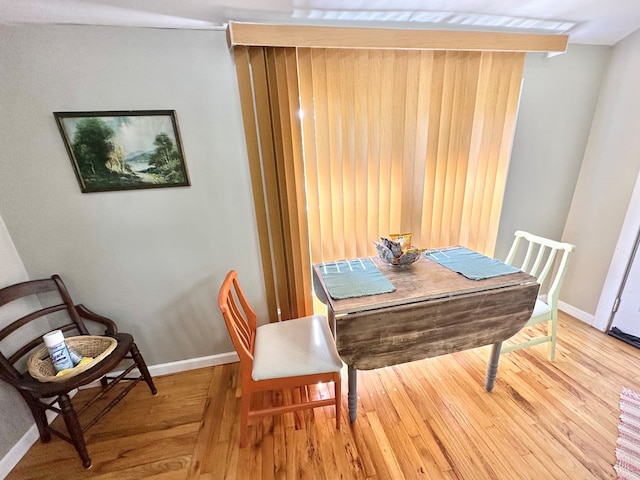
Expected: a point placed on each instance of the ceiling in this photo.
(595, 22)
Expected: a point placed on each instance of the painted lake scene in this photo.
(124, 150)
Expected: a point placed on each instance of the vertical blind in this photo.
(405, 141)
(353, 144)
(267, 79)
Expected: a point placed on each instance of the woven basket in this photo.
(41, 367)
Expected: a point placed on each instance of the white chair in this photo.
(282, 355)
(546, 260)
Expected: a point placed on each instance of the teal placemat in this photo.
(354, 278)
(472, 265)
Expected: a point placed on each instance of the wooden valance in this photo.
(270, 35)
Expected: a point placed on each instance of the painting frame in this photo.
(124, 149)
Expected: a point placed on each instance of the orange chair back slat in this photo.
(241, 327)
(240, 323)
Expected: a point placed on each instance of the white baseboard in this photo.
(193, 363)
(11, 459)
(577, 313)
(18, 451)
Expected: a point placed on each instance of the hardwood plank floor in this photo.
(430, 419)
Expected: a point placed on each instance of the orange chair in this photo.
(287, 354)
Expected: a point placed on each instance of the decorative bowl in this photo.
(392, 253)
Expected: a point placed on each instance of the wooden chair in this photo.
(546, 260)
(282, 355)
(39, 304)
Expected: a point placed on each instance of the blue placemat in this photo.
(354, 278)
(472, 265)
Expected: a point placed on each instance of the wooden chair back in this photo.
(545, 259)
(239, 317)
(37, 307)
(35, 319)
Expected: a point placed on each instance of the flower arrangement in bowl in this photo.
(399, 251)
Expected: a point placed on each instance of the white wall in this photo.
(559, 96)
(18, 419)
(151, 259)
(607, 178)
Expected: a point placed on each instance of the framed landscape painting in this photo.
(124, 150)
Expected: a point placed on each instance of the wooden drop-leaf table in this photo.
(433, 311)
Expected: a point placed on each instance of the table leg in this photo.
(353, 395)
(492, 367)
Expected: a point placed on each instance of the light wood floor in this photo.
(430, 419)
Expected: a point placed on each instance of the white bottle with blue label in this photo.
(58, 350)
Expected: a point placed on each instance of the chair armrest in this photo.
(84, 312)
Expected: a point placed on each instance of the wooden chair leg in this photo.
(73, 427)
(337, 389)
(245, 403)
(39, 415)
(551, 331)
(142, 366)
